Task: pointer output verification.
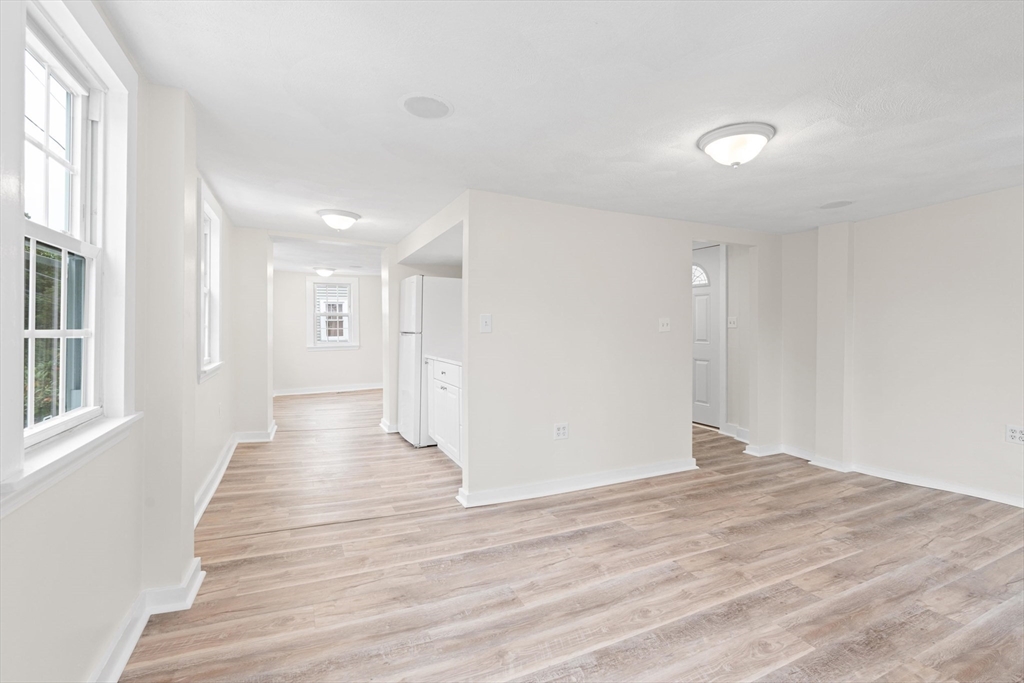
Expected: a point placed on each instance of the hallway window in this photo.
(700, 277)
(208, 287)
(332, 320)
(60, 255)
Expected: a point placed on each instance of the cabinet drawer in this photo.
(448, 373)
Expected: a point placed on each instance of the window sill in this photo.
(333, 347)
(209, 371)
(53, 459)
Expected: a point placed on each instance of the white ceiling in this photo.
(302, 256)
(890, 105)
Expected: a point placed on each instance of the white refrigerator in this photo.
(429, 324)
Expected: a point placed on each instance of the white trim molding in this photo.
(387, 427)
(928, 482)
(761, 451)
(336, 389)
(257, 437)
(830, 464)
(797, 452)
(736, 432)
(149, 602)
(570, 484)
(53, 459)
(205, 493)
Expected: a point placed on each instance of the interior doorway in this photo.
(709, 334)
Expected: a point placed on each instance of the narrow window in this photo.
(208, 287)
(60, 259)
(700, 277)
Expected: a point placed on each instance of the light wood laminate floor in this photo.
(339, 553)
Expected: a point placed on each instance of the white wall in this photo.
(298, 369)
(575, 296)
(799, 339)
(938, 360)
(251, 350)
(739, 339)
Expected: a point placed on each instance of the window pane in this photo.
(35, 184)
(73, 374)
(60, 196)
(28, 277)
(47, 287)
(76, 292)
(47, 373)
(60, 119)
(24, 403)
(35, 97)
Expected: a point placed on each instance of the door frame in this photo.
(723, 325)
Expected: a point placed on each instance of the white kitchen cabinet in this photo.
(446, 411)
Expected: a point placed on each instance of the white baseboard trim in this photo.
(736, 432)
(830, 464)
(928, 482)
(335, 389)
(257, 437)
(387, 427)
(570, 484)
(149, 602)
(209, 487)
(761, 451)
(797, 452)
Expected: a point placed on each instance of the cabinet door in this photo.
(452, 415)
(432, 405)
(437, 412)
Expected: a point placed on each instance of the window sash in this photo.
(332, 304)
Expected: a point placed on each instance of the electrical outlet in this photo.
(664, 325)
(562, 430)
(732, 321)
(1015, 434)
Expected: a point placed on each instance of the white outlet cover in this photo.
(1015, 434)
(664, 325)
(562, 430)
(732, 321)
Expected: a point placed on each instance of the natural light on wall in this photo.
(736, 144)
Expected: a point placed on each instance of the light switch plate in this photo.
(664, 325)
(485, 322)
(732, 321)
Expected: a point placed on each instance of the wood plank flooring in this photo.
(339, 553)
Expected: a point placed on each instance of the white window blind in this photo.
(332, 309)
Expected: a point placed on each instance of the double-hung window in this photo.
(332, 312)
(208, 287)
(61, 254)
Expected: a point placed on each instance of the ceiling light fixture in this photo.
(736, 144)
(337, 219)
(324, 272)
(836, 205)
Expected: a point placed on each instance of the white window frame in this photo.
(208, 286)
(77, 33)
(312, 316)
(81, 239)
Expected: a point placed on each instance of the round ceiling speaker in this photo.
(427, 107)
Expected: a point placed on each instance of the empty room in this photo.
(450, 341)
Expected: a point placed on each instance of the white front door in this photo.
(707, 362)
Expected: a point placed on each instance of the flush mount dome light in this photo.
(324, 272)
(736, 144)
(337, 219)
(427, 106)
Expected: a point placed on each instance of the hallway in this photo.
(338, 552)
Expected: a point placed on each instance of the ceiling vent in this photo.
(427, 107)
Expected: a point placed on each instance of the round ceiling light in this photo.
(427, 107)
(324, 272)
(836, 205)
(338, 219)
(736, 144)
